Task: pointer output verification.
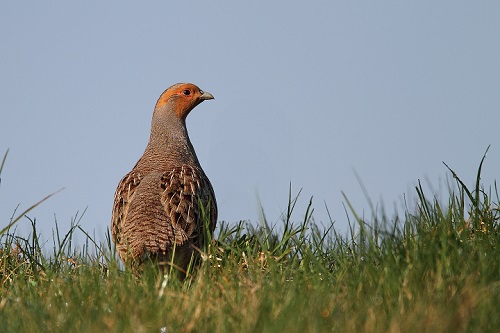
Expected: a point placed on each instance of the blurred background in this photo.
(317, 95)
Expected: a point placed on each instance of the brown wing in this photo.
(123, 196)
(184, 190)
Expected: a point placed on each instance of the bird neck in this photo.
(169, 143)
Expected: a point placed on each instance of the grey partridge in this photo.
(165, 206)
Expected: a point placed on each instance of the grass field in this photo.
(435, 269)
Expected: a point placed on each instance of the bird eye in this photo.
(186, 92)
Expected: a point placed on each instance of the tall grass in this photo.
(436, 269)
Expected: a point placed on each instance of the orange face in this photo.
(183, 98)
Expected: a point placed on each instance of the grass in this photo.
(436, 269)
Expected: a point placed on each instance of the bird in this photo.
(165, 209)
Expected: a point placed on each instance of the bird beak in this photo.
(206, 95)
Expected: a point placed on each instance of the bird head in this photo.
(181, 98)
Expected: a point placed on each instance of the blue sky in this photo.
(307, 93)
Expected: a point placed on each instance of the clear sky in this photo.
(305, 92)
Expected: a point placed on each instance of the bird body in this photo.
(160, 205)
